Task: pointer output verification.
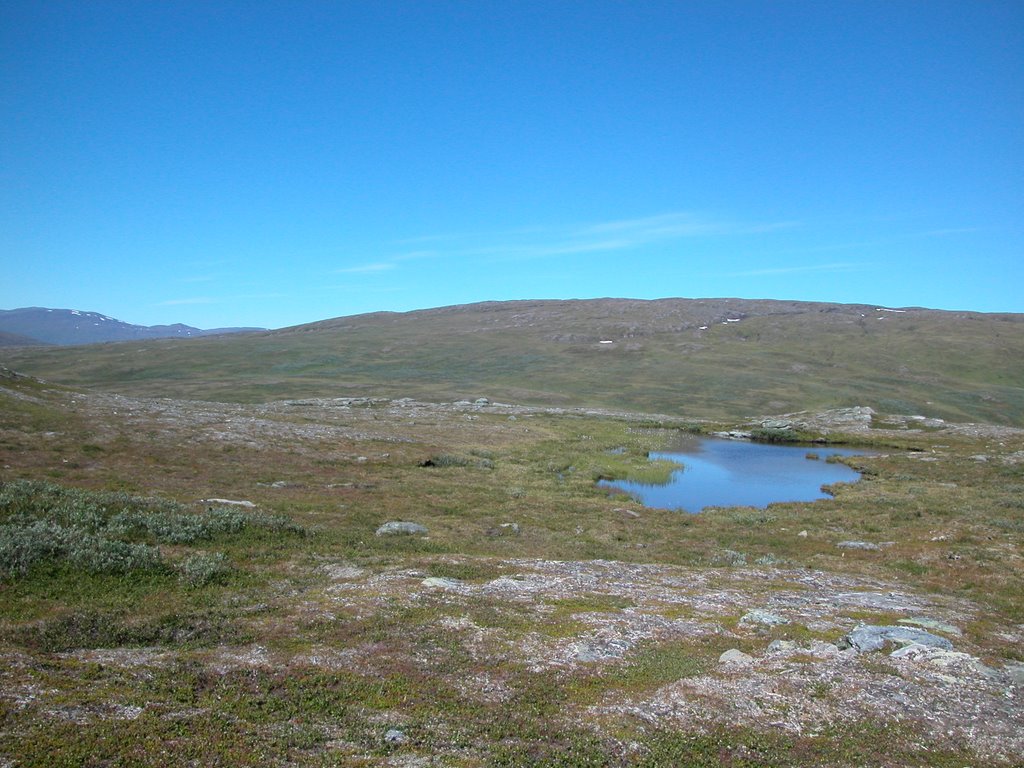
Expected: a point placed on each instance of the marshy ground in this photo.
(538, 621)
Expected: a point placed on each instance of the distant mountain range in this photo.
(713, 358)
(35, 326)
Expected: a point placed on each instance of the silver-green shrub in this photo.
(22, 546)
(113, 532)
(202, 568)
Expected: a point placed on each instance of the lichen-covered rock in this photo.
(927, 623)
(399, 528)
(735, 658)
(783, 646)
(873, 638)
(763, 618)
(441, 582)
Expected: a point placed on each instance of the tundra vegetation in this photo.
(149, 618)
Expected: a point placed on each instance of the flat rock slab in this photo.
(763, 618)
(926, 623)
(441, 582)
(342, 572)
(873, 638)
(600, 650)
(735, 658)
(400, 528)
(1015, 671)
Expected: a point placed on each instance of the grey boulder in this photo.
(397, 528)
(874, 638)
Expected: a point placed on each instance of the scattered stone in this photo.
(874, 638)
(441, 582)
(1015, 670)
(734, 434)
(735, 657)
(627, 512)
(395, 736)
(802, 534)
(857, 545)
(926, 623)
(601, 650)
(481, 401)
(394, 528)
(233, 502)
(343, 572)
(764, 618)
(879, 601)
(857, 418)
(953, 662)
(783, 646)
(731, 557)
(824, 650)
(505, 529)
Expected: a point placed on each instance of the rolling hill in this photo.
(711, 358)
(42, 325)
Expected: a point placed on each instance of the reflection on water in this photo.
(732, 473)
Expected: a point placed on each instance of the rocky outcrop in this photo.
(873, 638)
(401, 528)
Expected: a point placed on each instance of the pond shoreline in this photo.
(722, 472)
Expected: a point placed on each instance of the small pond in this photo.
(734, 473)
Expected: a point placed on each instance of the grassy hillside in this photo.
(219, 581)
(208, 584)
(718, 358)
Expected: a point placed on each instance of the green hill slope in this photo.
(716, 358)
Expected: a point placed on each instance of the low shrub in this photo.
(22, 546)
(112, 532)
(453, 460)
(203, 568)
(101, 629)
(776, 435)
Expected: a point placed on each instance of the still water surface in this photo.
(732, 473)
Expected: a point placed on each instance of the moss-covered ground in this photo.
(300, 637)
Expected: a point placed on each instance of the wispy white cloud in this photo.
(361, 288)
(365, 269)
(603, 236)
(194, 300)
(553, 247)
(846, 266)
(197, 279)
(771, 226)
(414, 255)
(207, 263)
(450, 237)
(949, 231)
(659, 227)
(260, 296)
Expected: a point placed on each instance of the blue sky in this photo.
(273, 163)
